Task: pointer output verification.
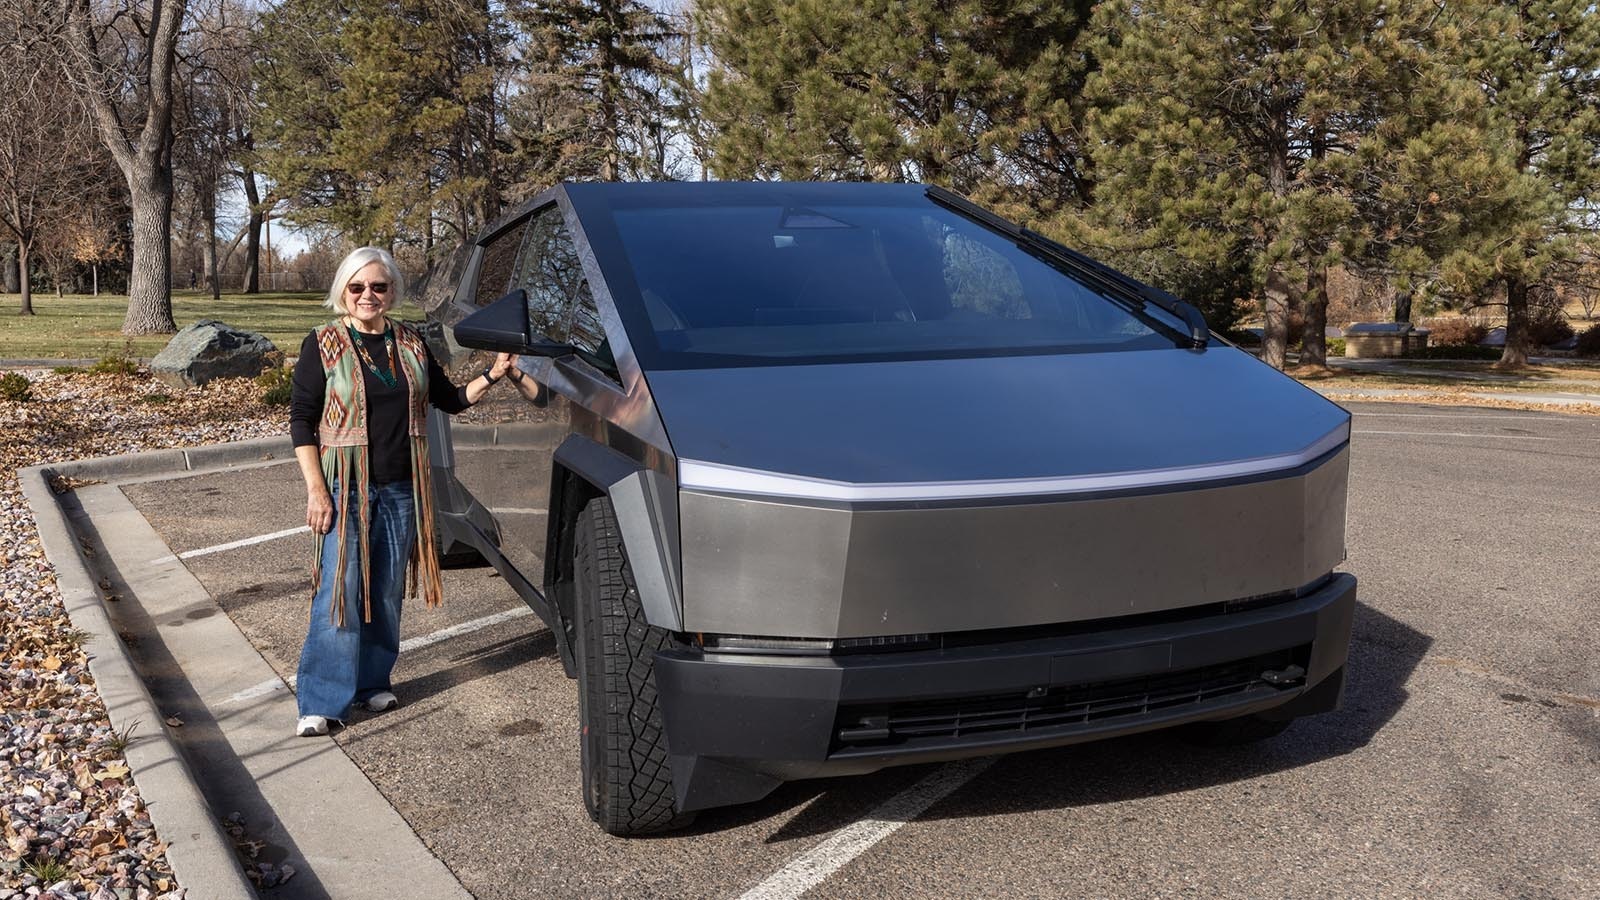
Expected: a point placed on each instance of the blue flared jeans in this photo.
(341, 666)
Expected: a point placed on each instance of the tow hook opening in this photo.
(1288, 676)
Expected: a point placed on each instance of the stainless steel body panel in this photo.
(646, 505)
(996, 418)
(760, 566)
(503, 461)
(583, 401)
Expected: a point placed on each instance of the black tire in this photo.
(627, 779)
(1234, 732)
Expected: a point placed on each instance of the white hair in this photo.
(355, 262)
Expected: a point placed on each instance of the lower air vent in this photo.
(1056, 710)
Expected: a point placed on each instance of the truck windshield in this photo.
(776, 283)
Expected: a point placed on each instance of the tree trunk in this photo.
(252, 244)
(25, 280)
(150, 288)
(609, 66)
(94, 274)
(1314, 335)
(427, 243)
(1515, 355)
(1275, 324)
(9, 273)
(208, 249)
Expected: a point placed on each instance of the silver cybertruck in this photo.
(834, 477)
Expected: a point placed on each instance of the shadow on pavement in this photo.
(481, 663)
(210, 757)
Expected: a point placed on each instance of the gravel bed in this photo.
(73, 822)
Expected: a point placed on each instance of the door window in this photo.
(560, 305)
(549, 270)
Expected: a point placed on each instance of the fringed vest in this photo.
(342, 438)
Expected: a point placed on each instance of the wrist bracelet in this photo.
(488, 377)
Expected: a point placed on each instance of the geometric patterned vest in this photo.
(342, 438)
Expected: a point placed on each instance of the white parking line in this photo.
(811, 868)
(262, 538)
(1468, 434)
(416, 643)
(232, 545)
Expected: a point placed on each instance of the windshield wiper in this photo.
(1128, 292)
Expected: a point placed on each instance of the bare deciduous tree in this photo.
(121, 56)
(43, 128)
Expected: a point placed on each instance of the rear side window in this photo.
(499, 258)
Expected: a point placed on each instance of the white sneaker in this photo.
(383, 701)
(311, 726)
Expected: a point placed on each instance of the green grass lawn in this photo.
(81, 327)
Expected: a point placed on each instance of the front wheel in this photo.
(627, 780)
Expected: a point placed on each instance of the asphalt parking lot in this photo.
(1465, 763)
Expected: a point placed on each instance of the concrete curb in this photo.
(202, 856)
(166, 462)
(42, 363)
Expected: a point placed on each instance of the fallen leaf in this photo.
(174, 721)
(51, 662)
(111, 772)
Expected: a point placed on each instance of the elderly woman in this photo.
(358, 417)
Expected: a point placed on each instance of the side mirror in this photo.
(502, 326)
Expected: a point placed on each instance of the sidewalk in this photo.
(322, 829)
(1577, 402)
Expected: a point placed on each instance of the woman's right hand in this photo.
(319, 512)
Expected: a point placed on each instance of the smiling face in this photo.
(367, 305)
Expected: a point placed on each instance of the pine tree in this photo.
(978, 95)
(1224, 132)
(1538, 65)
(371, 111)
(596, 79)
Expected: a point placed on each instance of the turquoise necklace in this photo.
(386, 376)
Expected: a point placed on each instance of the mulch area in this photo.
(73, 821)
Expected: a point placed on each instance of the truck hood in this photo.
(943, 429)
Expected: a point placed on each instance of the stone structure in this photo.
(209, 349)
(1383, 340)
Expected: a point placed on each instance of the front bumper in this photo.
(738, 725)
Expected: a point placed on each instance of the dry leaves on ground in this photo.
(71, 819)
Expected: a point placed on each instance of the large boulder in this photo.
(209, 349)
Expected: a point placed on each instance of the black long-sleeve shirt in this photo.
(388, 412)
